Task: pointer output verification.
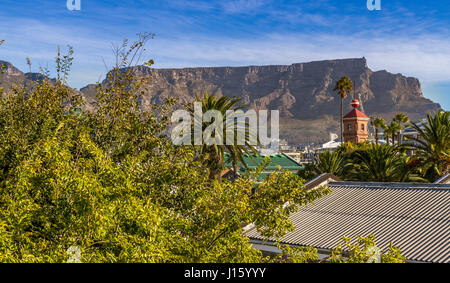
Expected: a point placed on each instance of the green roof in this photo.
(253, 161)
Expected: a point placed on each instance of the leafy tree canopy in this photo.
(108, 182)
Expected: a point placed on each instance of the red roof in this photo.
(355, 113)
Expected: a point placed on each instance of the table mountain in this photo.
(302, 92)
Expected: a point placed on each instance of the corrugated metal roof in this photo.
(254, 161)
(445, 179)
(415, 217)
(321, 180)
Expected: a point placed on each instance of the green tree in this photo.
(433, 144)
(391, 130)
(363, 250)
(386, 133)
(308, 172)
(110, 183)
(380, 163)
(48, 104)
(378, 123)
(343, 86)
(330, 163)
(107, 181)
(401, 119)
(213, 155)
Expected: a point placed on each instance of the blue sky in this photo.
(407, 36)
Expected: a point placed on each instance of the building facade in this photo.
(355, 125)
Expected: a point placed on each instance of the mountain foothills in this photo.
(303, 92)
(10, 75)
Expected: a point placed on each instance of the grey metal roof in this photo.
(321, 180)
(415, 217)
(445, 179)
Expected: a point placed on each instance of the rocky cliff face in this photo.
(10, 75)
(302, 92)
(299, 91)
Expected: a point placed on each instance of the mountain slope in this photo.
(10, 76)
(302, 92)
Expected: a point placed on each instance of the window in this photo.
(362, 127)
(349, 127)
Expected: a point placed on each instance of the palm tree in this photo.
(386, 132)
(392, 129)
(343, 85)
(213, 155)
(380, 163)
(378, 122)
(401, 119)
(330, 163)
(433, 143)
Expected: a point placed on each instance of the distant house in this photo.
(254, 161)
(415, 217)
(329, 146)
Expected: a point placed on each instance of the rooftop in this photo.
(445, 179)
(253, 161)
(415, 217)
(321, 180)
(355, 113)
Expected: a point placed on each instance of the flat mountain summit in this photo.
(303, 92)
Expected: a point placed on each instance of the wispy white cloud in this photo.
(243, 6)
(199, 5)
(26, 38)
(423, 57)
(236, 33)
(426, 57)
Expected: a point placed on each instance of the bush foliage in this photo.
(110, 183)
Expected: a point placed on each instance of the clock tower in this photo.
(355, 125)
